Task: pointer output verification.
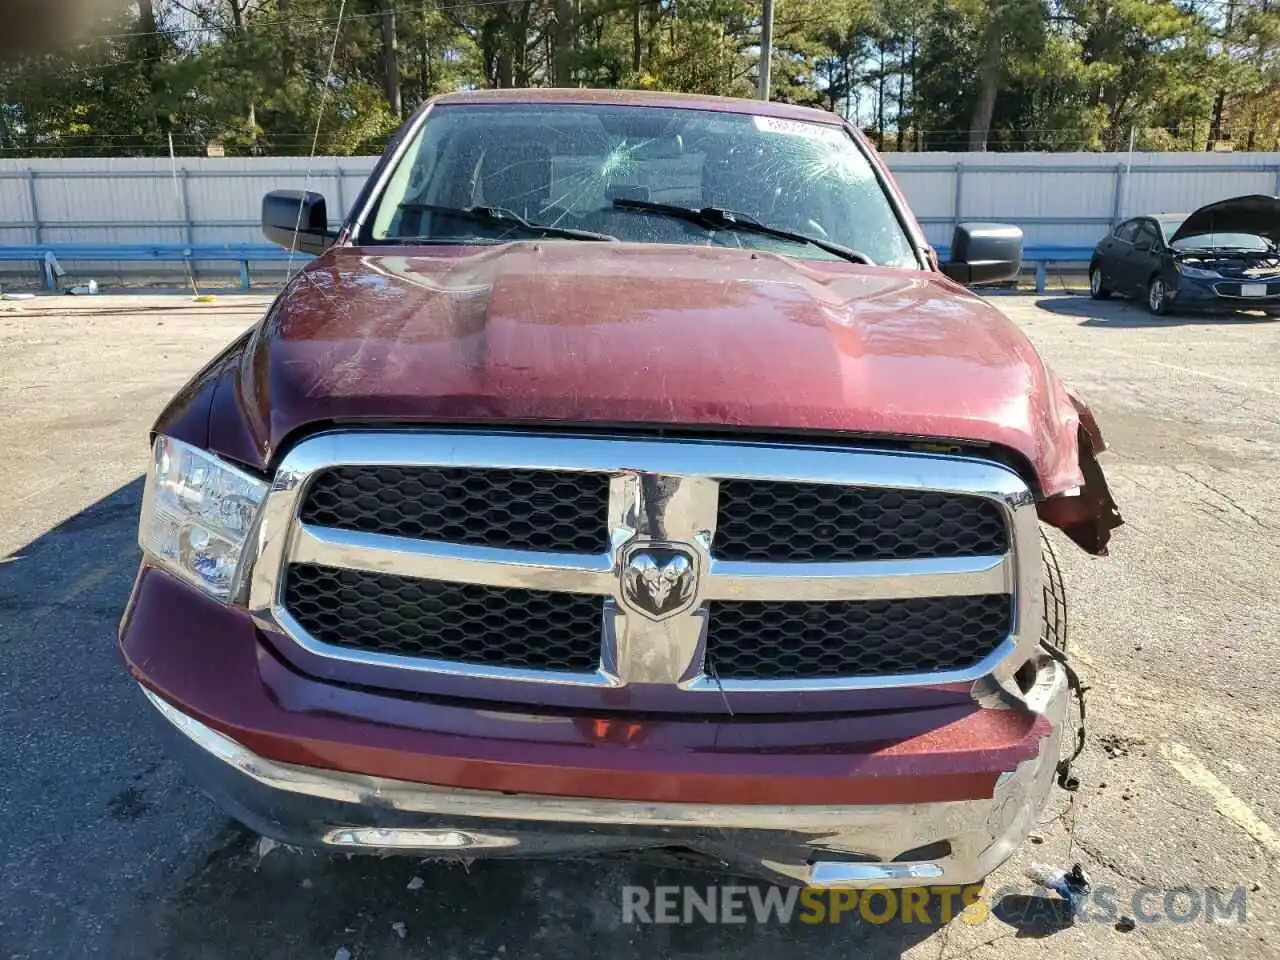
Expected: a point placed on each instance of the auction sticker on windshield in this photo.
(798, 128)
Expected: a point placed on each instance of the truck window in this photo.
(565, 165)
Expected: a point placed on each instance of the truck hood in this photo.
(1257, 214)
(609, 334)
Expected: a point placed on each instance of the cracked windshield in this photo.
(486, 174)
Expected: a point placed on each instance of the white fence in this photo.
(142, 201)
(1072, 199)
(1060, 198)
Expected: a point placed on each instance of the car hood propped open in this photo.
(1256, 214)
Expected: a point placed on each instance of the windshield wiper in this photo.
(502, 217)
(717, 218)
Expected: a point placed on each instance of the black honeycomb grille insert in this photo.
(790, 640)
(461, 622)
(787, 522)
(522, 509)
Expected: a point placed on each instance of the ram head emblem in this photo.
(659, 582)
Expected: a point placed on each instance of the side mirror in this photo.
(287, 211)
(984, 253)
(1142, 246)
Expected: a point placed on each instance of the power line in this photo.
(226, 39)
(430, 8)
(315, 141)
(1019, 133)
(257, 23)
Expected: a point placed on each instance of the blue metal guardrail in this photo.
(245, 253)
(1040, 257)
(241, 253)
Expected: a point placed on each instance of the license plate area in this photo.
(1253, 289)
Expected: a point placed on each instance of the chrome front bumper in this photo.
(956, 842)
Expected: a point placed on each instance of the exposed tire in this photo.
(1097, 289)
(1157, 297)
(1054, 629)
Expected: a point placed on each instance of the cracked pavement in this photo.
(109, 853)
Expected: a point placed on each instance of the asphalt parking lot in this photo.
(107, 852)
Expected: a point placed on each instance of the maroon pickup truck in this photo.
(625, 474)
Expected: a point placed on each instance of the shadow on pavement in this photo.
(1124, 314)
(303, 904)
(90, 810)
(111, 853)
(1033, 915)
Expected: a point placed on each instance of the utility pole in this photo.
(150, 50)
(391, 59)
(766, 50)
(1220, 101)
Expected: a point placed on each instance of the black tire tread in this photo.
(1054, 628)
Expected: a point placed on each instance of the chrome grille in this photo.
(903, 568)
(750, 640)
(807, 522)
(533, 509)
(459, 622)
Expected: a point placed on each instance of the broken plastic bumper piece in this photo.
(822, 845)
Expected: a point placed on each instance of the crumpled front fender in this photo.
(1088, 513)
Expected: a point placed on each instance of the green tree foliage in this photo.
(252, 75)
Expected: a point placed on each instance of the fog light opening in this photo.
(408, 838)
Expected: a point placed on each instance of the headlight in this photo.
(197, 515)
(1198, 273)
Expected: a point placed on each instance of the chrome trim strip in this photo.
(713, 459)
(669, 509)
(411, 839)
(461, 563)
(827, 874)
(1028, 588)
(660, 490)
(989, 664)
(866, 580)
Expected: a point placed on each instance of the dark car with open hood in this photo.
(624, 474)
(1223, 257)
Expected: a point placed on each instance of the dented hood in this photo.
(644, 334)
(1256, 214)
